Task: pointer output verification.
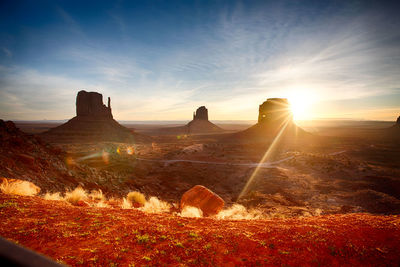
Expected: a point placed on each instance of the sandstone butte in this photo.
(274, 116)
(93, 122)
(199, 125)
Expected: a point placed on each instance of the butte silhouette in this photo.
(274, 118)
(93, 122)
(199, 125)
(393, 133)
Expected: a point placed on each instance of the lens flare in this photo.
(266, 156)
(69, 161)
(130, 150)
(106, 157)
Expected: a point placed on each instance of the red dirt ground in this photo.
(116, 237)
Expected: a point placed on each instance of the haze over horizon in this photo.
(160, 60)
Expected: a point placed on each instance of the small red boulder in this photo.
(204, 199)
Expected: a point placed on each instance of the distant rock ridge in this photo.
(93, 122)
(91, 104)
(398, 121)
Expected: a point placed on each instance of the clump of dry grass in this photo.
(154, 205)
(97, 195)
(136, 197)
(191, 212)
(97, 199)
(126, 204)
(239, 212)
(101, 204)
(53, 196)
(78, 194)
(18, 187)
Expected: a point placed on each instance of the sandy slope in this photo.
(118, 237)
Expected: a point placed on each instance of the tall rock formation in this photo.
(274, 117)
(91, 104)
(199, 125)
(93, 122)
(201, 114)
(274, 109)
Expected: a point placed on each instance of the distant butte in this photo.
(93, 122)
(199, 125)
(90, 104)
(274, 116)
(393, 133)
(274, 110)
(201, 114)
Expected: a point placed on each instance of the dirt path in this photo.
(251, 164)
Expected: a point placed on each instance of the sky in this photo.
(160, 60)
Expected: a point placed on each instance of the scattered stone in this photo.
(26, 159)
(204, 199)
(82, 203)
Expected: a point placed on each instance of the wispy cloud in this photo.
(73, 25)
(7, 52)
(231, 61)
(28, 94)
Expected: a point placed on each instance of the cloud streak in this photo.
(230, 61)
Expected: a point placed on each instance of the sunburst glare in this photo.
(301, 101)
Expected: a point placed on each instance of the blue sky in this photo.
(160, 60)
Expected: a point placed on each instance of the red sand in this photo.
(117, 237)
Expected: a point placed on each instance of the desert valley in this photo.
(101, 186)
(199, 133)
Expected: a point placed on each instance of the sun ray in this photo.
(267, 154)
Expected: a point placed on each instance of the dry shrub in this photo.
(18, 187)
(126, 204)
(101, 204)
(239, 212)
(317, 212)
(97, 195)
(136, 197)
(191, 212)
(76, 195)
(53, 196)
(154, 205)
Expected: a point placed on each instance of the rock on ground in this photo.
(204, 199)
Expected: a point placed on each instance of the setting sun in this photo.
(300, 103)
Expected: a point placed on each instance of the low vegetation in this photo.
(116, 237)
(136, 197)
(53, 196)
(75, 196)
(80, 197)
(18, 187)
